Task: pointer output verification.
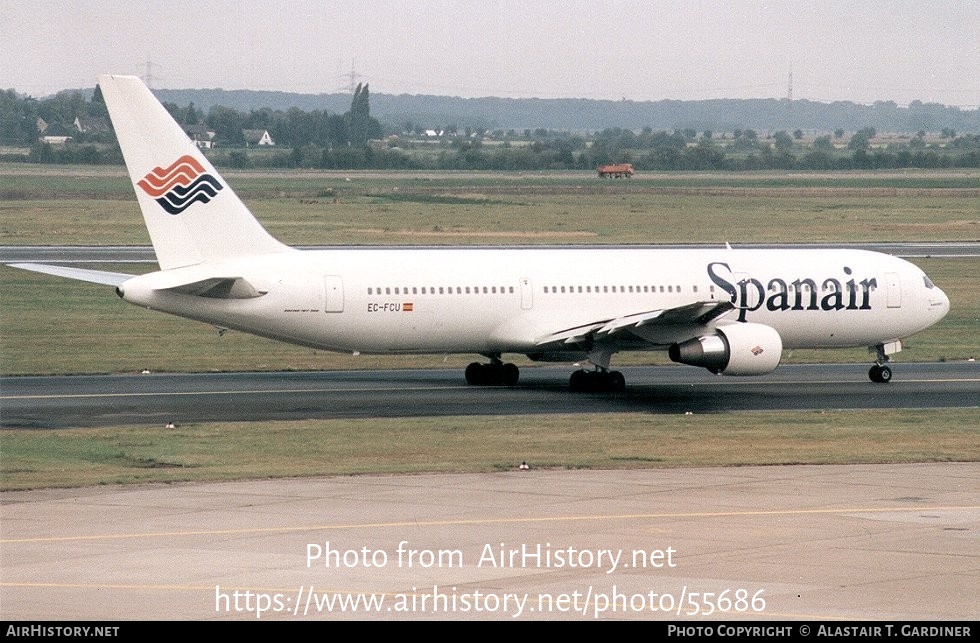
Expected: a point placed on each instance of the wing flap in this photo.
(700, 312)
(696, 314)
(574, 335)
(639, 319)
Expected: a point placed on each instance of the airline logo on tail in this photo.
(181, 185)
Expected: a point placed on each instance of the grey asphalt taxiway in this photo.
(156, 399)
(859, 542)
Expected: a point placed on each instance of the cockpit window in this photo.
(928, 281)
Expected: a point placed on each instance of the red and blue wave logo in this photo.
(181, 185)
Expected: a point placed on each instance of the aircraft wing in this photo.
(80, 274)
(696, 314)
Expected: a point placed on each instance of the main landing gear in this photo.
(601, 380)
(597, 381)
(496, 373)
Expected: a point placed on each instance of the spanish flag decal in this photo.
(408, 307)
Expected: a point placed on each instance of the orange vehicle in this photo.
(616, 171)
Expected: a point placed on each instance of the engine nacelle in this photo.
(735, 349)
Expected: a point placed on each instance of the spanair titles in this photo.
(829, 293)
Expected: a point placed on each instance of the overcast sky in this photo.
(857, 50)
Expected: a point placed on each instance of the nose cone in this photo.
(938, 303)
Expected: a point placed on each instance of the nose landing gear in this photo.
(881, 373)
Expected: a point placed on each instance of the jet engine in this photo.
(735, 349)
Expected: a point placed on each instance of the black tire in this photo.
(616, 382)
(880, 374)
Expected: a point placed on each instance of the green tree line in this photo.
(319, 139)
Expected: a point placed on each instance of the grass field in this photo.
(96, 206)
(228, 451)
(50, 325)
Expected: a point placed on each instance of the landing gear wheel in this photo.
(616, 382)
(597, 382)
(880, 374)
(492, 374)
(578, 382)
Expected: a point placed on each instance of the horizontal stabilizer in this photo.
(80, 274)
(220, 288)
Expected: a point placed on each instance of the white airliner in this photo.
(731, 311)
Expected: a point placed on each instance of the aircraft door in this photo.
(527, 294)
(894, 283)
(334, 290)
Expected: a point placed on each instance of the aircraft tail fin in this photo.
(192, 214)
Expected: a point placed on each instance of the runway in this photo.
(805, 543)
(155, 399)
(145, 254)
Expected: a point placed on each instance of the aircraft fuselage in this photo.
(483, 300)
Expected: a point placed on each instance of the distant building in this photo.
(55, 134)
(91, 124)
(201, 136)
(255, 137)
(388, 143)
